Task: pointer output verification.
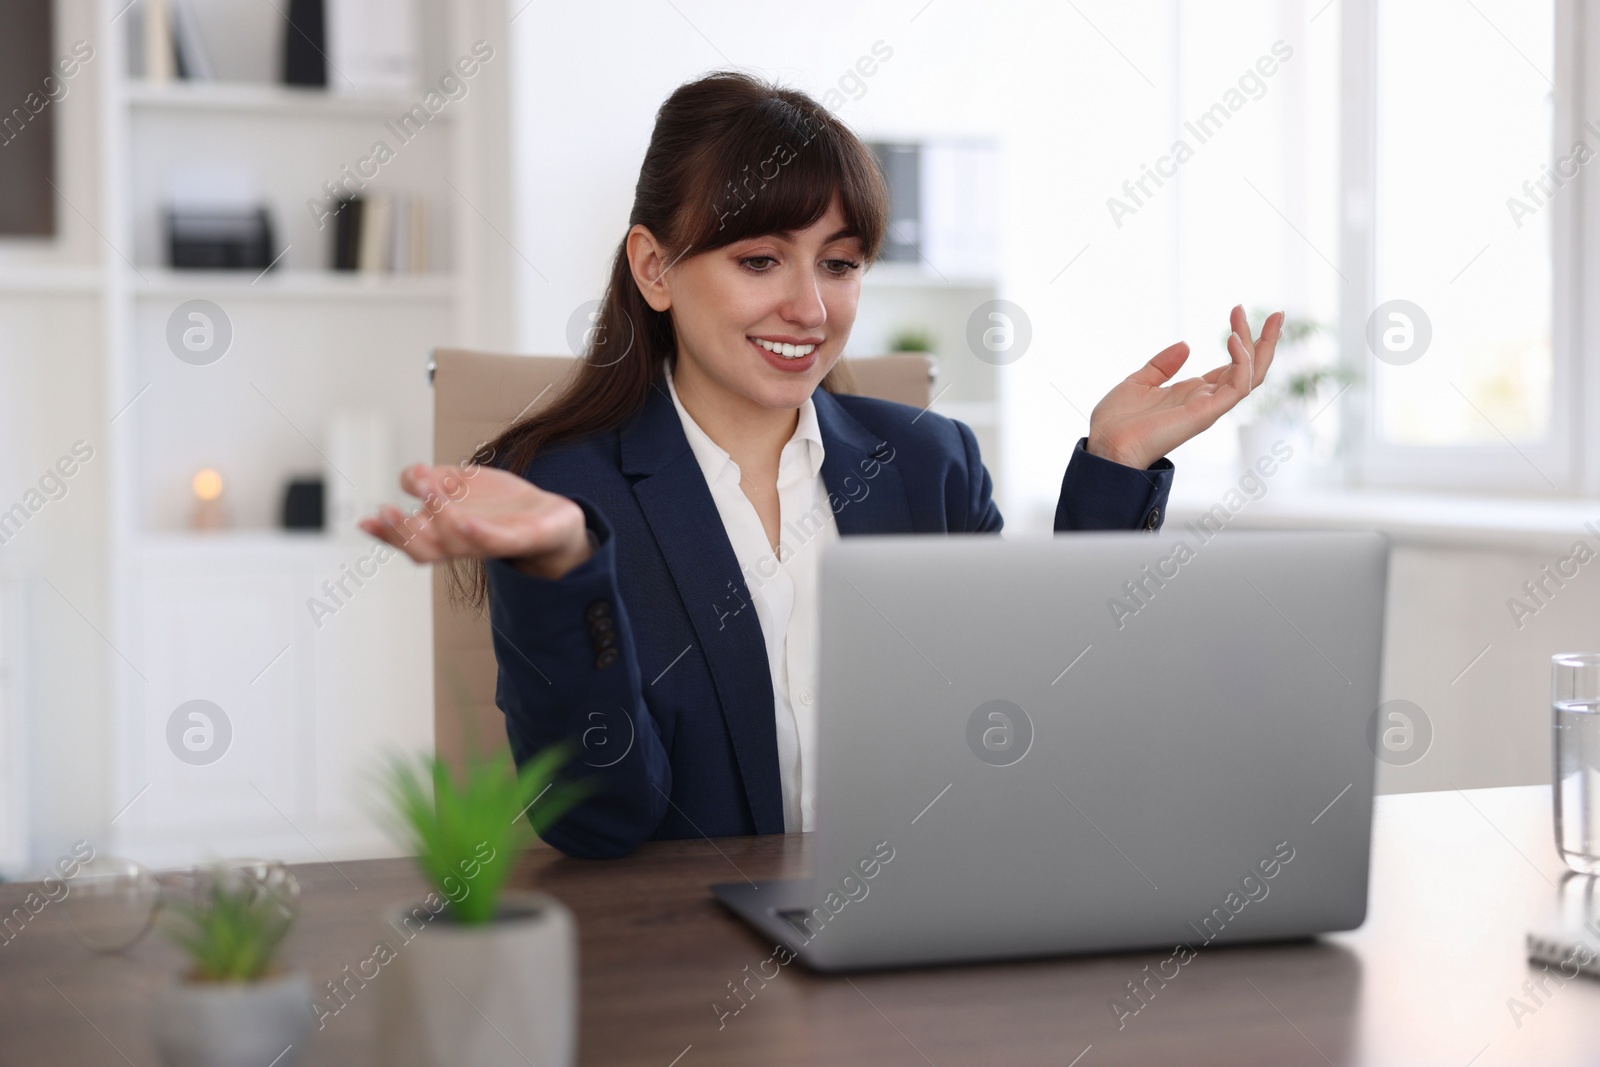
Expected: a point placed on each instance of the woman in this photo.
(648, 543)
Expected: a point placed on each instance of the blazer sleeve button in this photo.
(606, 658)
(600, 609)
(1152, 520)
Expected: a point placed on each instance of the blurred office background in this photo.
(1119, 174)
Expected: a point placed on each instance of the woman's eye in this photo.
(837, 267)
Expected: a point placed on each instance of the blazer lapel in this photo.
(678, 506)
(864, 485)
(861, 473)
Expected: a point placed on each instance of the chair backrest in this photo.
(475, 396)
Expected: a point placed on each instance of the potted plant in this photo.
(234, 1007)
(1280, 412)
(484, 975)
(912, 339)
(919, 341)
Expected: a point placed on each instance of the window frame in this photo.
(1568, 462)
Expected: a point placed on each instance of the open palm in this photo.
(481, 512)
(1143, 419)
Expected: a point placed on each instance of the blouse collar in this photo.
(805, 444)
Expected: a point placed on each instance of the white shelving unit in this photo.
(259, 99)
(52, 281)
(13, 732)
(937, 295)
(899, 296)
(313, 701)
(295, 285)
(920, 277)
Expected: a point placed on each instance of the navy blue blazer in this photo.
(643, 657)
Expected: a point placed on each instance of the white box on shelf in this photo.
(373, 45)
(361, 468)
(200, 186)
(960, 187)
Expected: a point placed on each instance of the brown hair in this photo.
(731, 157)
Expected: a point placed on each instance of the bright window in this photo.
(1462, 220)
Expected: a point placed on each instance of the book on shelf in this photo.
(381, 233)
(305, 43)
(373, 254)
(170, 43)
(192, 58)
(408, 235)
(160, 64)
(345, 220)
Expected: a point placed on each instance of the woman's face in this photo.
(798, 289)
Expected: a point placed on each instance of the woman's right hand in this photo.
(478, 512)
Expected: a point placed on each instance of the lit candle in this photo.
(209, 511)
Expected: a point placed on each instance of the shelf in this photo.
(291, 285)
(264, 99)
(50, 281)
(919, 276)
(233, 537)
(260, 543)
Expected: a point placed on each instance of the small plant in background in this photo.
(468, 833)
(1294, 385)
(233, 932)
(1300, 390)
(911, 339)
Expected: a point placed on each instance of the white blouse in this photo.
(783, 586)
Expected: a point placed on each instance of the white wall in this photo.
(1490, 721)
(580, 128)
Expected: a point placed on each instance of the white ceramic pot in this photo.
(1274, 440)
(233, 1024)
(503, 993)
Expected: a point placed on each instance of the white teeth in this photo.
(786, 351)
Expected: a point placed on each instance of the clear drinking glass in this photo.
(1575, 712)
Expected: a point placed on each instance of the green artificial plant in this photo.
(469, 832)
(233, 932)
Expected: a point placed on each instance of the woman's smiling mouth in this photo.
(784, 348)
(786, 355)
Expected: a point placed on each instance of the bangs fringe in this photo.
(778, 170)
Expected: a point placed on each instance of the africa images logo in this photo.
(999, 733)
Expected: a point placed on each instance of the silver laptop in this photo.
(1098, 741)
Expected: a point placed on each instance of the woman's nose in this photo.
(803, 303)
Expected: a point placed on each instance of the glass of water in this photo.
(1575, 711)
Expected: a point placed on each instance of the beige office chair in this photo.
(475, 396)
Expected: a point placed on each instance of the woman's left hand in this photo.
(1142, 419)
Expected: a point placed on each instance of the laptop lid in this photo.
(1091, 742)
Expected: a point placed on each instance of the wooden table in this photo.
(1428, 980)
